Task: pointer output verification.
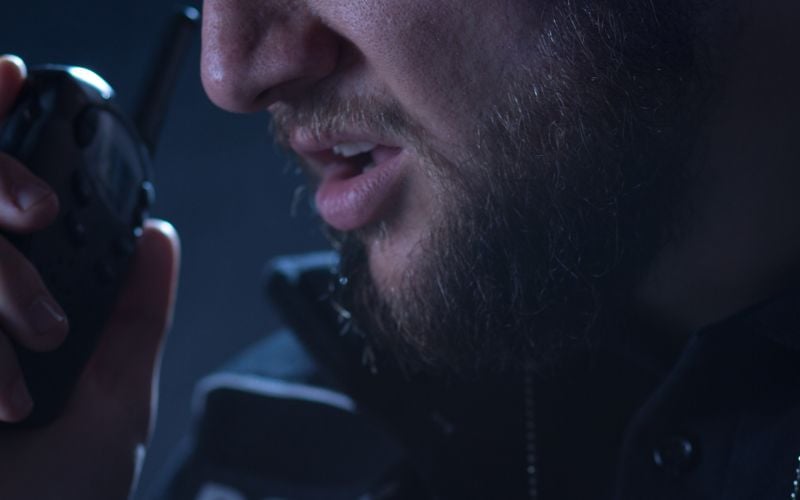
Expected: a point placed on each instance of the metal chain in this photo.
(796, 483)
(530, 436)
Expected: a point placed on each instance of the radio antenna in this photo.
(164, 75)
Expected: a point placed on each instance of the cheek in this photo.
(441, 60)
(394, 248)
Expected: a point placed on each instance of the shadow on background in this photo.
(218, 179)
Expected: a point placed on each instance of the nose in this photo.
(256, 52)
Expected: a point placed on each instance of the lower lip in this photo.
(349, 199)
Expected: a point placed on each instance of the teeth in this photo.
(350, 149)
(369, 167)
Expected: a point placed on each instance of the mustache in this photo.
(326, 114)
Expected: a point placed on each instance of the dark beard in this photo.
(571, 194)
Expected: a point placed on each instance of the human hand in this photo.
(93, 448)
(28, 313)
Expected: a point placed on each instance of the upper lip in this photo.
(317, 150)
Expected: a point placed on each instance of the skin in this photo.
(94, 448)
(259, 55)
(738, 249)
(347, 45)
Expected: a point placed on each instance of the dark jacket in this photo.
(301, 416)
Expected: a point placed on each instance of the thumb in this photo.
(121, 372)
(92, 451)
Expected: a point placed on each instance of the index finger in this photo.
(12, 77)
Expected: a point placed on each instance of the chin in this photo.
(392, 255)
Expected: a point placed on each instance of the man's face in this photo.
(494, 171)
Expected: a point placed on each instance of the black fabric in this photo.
(253, 444)
(722, 422)
(735, 396)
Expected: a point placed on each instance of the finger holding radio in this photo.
(28, 313)
(94, 450)
(15, 400)
(26, 202)
(12, 77)
(29, 316)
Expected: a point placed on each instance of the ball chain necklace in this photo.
(530, 435)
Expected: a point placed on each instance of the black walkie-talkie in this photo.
(66, 128)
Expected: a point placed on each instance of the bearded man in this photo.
(567, 254)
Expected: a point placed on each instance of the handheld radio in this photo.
(66, 128)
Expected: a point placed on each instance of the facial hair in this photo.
(573, 179)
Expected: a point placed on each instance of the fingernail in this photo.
(45, 315)
(20, 398)
(28, 194)
(15, 60)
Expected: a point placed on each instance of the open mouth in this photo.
(359, 180)
(350, 159)
(355, 158)
(359, 154)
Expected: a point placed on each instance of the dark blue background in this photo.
(219, 180)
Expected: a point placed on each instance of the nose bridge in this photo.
(255, 51)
